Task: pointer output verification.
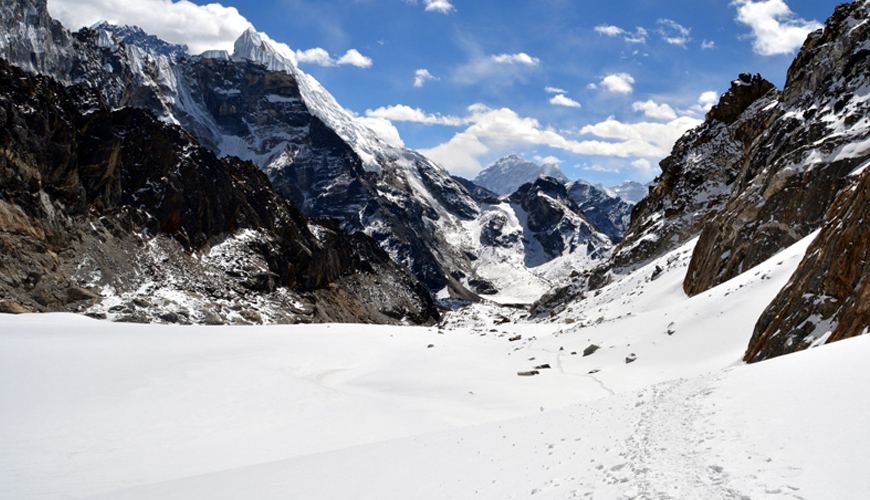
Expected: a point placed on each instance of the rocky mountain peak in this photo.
(745, 90)
(134, 35)
(830, 56)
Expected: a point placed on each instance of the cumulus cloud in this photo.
(521, 58)
(384, 129)
(554, 90)
(654, 110)
(563, 100)
(403, 113)
(315, 56)
(322, 58)
(775, 28)
(618, 83)
(642, 164)
(200, 27)
(708, 45)
(658, 137)
(421, 76)
(673, 32)
(706, 101)
(354, 58)
(548, 160)
(499, 130)
(440, 6)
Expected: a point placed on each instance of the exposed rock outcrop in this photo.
(828, 297)
(120, 215)
(556, 222)
(798, 154)
(610, 214)
(699, 175)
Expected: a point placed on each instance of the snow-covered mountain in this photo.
(610, 213)
(255, 104)
(507, 174)
(630, 191)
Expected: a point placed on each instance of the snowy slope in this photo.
(731, 435)
(132, 411)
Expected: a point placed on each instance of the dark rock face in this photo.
(797, 155)
(699, 175)
(828, 297)
(556, 221)
(116, 204)
(611, 215)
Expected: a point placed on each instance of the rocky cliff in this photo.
(828, 297)
(699, 175)
(799, 151)
(119, 215)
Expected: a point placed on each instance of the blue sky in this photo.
(602, 88)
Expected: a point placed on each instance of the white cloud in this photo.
(653, 110)
(642, 164)
(775, 28)
(499, 69)
(618, 83)
(555, 90)
(315, 56)
(384, 129)
(673, 32)
(708, 98)
(441, 6)
(521, 58)
(459, 155)
(658, 138)
(708, 45)
(421, 76)
(403, 113)
(354, 58)
(501, 130)
(200, 27)
(609, 30)
(548, 160)
(639, 35)
(706, 101)
(562, 100)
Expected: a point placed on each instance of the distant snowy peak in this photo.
(630, 191)
(509, 173)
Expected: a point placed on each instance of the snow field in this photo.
(105, 410)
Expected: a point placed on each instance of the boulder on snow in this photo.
(591, 350)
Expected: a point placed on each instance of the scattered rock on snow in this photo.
(591, 350)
